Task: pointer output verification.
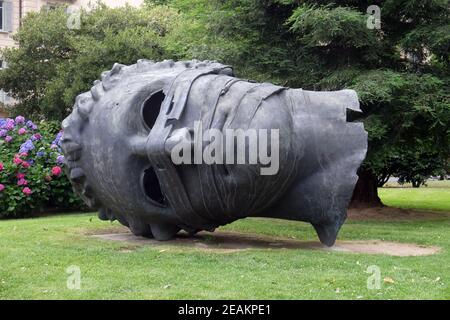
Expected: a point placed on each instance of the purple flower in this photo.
(56, 144)
(35, 137)
(27, 146)
(40, 153)
(3, 132)
(7, 124)
(60, 159)
(30, 124)
(22, 131)
(8, 139)
(20, 120)
(57, 140)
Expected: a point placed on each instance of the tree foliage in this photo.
(401, 71)
(54, 63)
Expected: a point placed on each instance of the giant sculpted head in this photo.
(170, 146)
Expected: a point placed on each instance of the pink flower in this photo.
(25, 164)
(8, 139)
(17, 160)
(37, 136)
(48, 178)
(56, 171)
(23, 154)
(22, 131)
(22, 182)
(1, 166)
(2, 187)
(20, 175)
(27, 191)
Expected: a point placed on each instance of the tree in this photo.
(400, 72)
(54, 63)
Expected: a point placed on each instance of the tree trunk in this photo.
(416, 183)
(381, 181)
(366, 191)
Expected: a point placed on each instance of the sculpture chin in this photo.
(120, 139)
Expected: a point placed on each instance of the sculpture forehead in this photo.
(146, 71)
(124, 83)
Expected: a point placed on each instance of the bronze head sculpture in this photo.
(122, 136)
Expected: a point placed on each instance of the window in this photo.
(6, 16)
(3, 64)
(1, 15)
(4, 97)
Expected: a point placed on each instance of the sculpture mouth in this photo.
(152, 188)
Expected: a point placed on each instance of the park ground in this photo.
(36, 253)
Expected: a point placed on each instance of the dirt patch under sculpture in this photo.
(226, 242)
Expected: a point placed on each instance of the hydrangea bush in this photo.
(31, 169)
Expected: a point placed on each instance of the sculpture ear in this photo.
(334, 150)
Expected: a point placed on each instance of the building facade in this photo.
(13, 11)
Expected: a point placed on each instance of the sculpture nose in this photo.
(179, 137)
(138, 145)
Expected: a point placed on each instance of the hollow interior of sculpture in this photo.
(152, 187)
(152, 107)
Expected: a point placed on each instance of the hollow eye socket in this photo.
(150, 182)
(152, 187)
(152, 107)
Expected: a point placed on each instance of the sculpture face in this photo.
(123, 138)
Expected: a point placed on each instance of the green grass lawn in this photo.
(35, 253)
(436, 196)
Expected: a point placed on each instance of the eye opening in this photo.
(152, 188)
(151, 108)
